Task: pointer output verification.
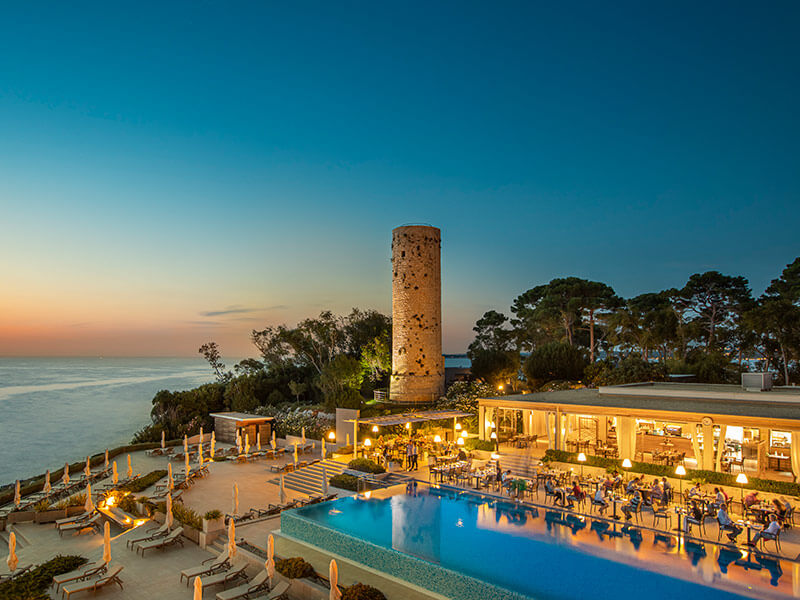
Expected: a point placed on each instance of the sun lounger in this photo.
(154, 534)
(81, 517)
(258, 584)
(174, 537)
(223, 577)
(85, 572)
(110, 577)
(276, 592)
(91, 523)
(208, 566)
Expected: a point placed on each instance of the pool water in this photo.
(532, 552)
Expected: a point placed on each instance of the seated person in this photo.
(769, 532)
(608, 485)
(751, 498)
(600, 499)
(632, 505)
(693, 516)
(576, 494)
(779, 508)
(632, 486)
(461, 454)
(727, 523)
(656, 492)
(695, 492)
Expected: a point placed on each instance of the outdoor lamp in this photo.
(437, 439)
(332, 436)
(741, 479)
(374, 429)
(408, 425)
(680, 471)
(367, 443)
(626, 464)
(495, 456)
(496, 443)
(493, 436)
(581, 459)
(500, 387)
(464, 433)
(460, 442)
(458, 426)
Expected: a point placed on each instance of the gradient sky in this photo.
(177, 172)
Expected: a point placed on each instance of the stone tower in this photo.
(417, 361)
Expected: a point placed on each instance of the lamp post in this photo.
(460, 441)
(626, 464)
(332, 436)
(374, 429)
(581, 459)
(741, 479)
(493, 437)
(367, 444)
(680, 471)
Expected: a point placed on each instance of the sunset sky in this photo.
(172, 173)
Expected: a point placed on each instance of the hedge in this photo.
(142, 483)
(345, 482)
(786, 488)
(294, 568)
(34, 584)
(365, 465)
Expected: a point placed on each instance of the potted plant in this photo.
(212, 521)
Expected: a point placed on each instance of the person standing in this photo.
(414, 456)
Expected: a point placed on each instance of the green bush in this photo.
(212, 514)
(555, 360)
(294, 568)
(128, 504)
(360, 591)
(478, 444)
(42, 505)
(144, 482)
(365, 465)
(786, 488)
(76, 500)
(34, 584)
(345, 482)
(186, 516)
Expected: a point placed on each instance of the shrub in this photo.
(34, 584)
(477, 444)
(555, 361)
(365, 465)
(186, 516)
(345, 482)
(42, 505)
(294, 568)
(359, 591)
(212, 515)
(76, 500)
(128, 504)
(142, 483)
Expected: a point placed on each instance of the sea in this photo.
(54, 410)
(57, 410)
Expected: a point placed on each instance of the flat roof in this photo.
(237, 416)
(728, 401)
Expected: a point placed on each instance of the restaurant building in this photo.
(712, 427)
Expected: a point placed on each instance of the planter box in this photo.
(191, 533)
(50, 516)
(213, 525)
(21, 517)
(75, 510)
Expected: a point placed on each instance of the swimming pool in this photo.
(469, 546)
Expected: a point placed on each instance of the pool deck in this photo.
(157, 574)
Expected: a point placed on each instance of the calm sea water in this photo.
(54, 410)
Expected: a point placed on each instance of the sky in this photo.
(174, 173)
